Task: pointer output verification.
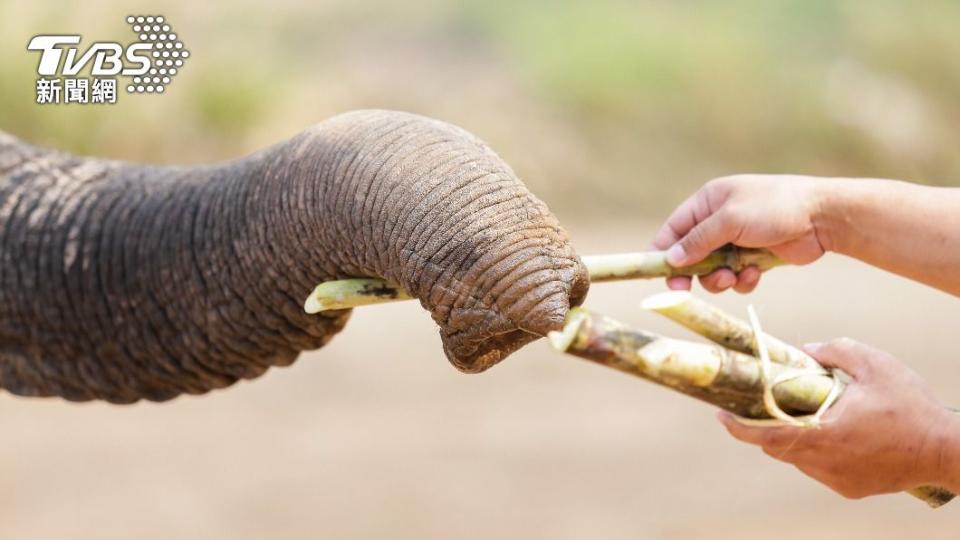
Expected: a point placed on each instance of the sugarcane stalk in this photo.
(348, 293)
(728, 376)
(653, 264)
(723, 377)
(724, 329)
(356, 292)
(731, 332)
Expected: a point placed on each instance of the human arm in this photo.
(907, 229)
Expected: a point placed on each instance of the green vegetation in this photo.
(636, 102)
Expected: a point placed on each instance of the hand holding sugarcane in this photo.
(791, 385)
(908, 229)
(762, 381)
(886, 420)
(787, 216)
(746, 210)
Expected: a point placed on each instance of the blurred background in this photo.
(612, 112)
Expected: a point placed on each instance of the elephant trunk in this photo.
(121, 282)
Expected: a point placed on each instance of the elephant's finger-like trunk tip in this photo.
(580, 283)
(549, 315)
(538, 305)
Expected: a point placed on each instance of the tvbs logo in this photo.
(150, 64)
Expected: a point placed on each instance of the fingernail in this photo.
(812, 348)
(676, 255)
(726, 281)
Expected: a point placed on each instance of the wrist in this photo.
(833, 210)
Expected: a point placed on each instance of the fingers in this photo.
(758, 435)
(743, 433)
(747, 280)
(776, 442)
(692, 231)
(720, 280)
(855, 358)
(679, 283)
(681, 220)
(715, 231)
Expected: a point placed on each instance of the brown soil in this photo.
(376, 436)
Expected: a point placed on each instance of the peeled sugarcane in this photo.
(653, 264)
(723, 377)
(724, 329)
(734, 380)
(351, 293)
(789, 383)
(355, 292)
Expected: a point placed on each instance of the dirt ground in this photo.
(377, 437)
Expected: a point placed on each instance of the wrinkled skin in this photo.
(123, 282)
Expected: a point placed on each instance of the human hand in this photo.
(887, 433)
(777, 212)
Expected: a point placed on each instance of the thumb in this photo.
(712, 233)
(847, 354)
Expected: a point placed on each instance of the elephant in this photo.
(121, 282)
